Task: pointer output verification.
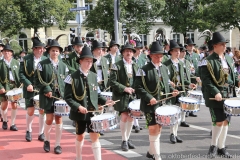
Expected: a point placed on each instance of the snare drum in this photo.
(168, 115)
(198, 95)
(104, 122)
(232, 107)
(189, 104)
(108, 96)
(61, 108)
(134, 109)
(36, 102)
(14, 95)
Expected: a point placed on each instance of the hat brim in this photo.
(157, 52)
(78, 44)
(86, 56)
(97, 47)
(113, 45)
(134, 51)
(191, 44)
(39, 46)
(60, 48)
(220, 42)
(8, 50)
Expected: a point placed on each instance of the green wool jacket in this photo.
(74, 94)
(105, 68)
(140, 61)
(4, 74)
(210, 87)
(146, 83)
(165, 58)
(194, 59)
(47, 83)
(71, 62)
(26, 74)
(109, 58)
(119, 81)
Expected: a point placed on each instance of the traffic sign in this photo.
(78, 9)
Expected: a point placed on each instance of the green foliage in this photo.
(33, 14)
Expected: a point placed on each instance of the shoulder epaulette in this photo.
(204, 62)
(114, 67)
(39, 67)
(68, 79)
(140, 72)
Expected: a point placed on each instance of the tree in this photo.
(18, 14)
(138, 15)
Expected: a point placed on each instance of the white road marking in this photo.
(128, 154)
(105, 142)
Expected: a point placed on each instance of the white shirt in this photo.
(85, 74)
(113, 58)
(10, 72)
(128, 66)
(177, 69)
(1, 57)
(99, 71)
(36, 61)
(224, 63)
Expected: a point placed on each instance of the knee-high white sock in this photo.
(155, 146)
(172, 129)
(183, 116)
(123, 128)
(29, 120)
(129, 129)
(222, 137)
(13, 116)
(136, 122)
(216, 131)
(175, 129)
(41, 121)
(96, 148)
(58, 134)
(79, 146)
(47, 129)
(4, 115)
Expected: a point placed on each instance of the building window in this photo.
(23, 41)
(190, 35)
(143, 39)
(176, 37)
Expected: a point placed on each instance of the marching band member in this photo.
(219, 80)
(177, 77)
(9, 79)
(112, 55)
(26, 73)
(49, 78)
(151, 80)
(166, 49)
(104, 49)
(121, 80)
(1, 57)
(82, 95)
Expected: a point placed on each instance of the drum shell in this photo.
(14, 98)
(61, 109)
(189, 106)
(134, 111)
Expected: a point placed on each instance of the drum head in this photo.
(60, 103)
(232, 103)
(103, 117)
(167, 110)
(199, 93)
(109, 94)
(17, 90)
(188, 100)
(10, 93)
(134, 105)
(36, 98)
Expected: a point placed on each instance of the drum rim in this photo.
(188, 102)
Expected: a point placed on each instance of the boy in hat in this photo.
(151, 80)
(82, 95)
(177, 76)
(122, 77)
(28, 65)
(166, 49)
(104, 49)
(45, 53)
(49, 78)
(218, 80)
(9, 79)
(112, 55)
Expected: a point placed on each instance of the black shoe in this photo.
(179, 140)
(212, 152)
(187, 114)
(184, 124)
(73, 123)
(101, 133)
(137, 129)
(4, 125)
(124, 146)
(46, 146)
(58, 150)
(192, 114)
(1, 119)
(148, 155)
(173, 138)
(141, 128)
(133, 127)
(131, 145)
(41, 137)
(28, 136)
(223, 153)
(13, 128)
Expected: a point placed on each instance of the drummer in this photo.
(149, 79)
(82, 95)
(218, 80)
(122, 77)
(26, 74)
(9, 79)
(176, 69)
(1, 57)
(49, 78)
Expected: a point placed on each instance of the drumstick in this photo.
(96, 111)
(110, 103)
(235, 98)
(51, 97)
(161, 100)
(191, 90)
(107, 89)
(171, 93)
(21, 85)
